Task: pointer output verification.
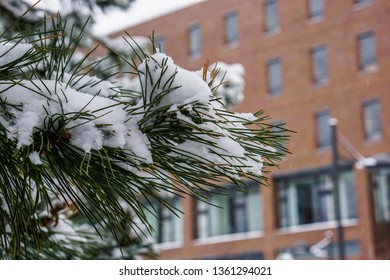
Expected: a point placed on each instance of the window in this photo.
(309, 199)
(160, 43)
(166, 224)
(323, 129)
(278, 128)
(319, 65)
(367, 50)
(231, 28)
(271, 16)
(239, 221)
(316, 8)
(225, 214)
(381, 183)
(274, 73)
(194, 40)
(372, 119)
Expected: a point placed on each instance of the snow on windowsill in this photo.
(369, 69)
(361, 6)
(374, 139)
(194, 57)
(320, 83)
(272, 32)
(316, 19)
(232, 45)
(273, 94)
(228, 238)
(323, 150)
(316, 226)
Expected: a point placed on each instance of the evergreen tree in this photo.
(83, 154)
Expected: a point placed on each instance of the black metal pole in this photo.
(336, 191)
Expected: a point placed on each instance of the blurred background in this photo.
(305, 62)
(318, 67)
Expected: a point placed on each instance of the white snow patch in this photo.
(229, 82)
(191, 87)
(35, 158)
(92, 85)
(11, 52)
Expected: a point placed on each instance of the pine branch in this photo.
(78, 139)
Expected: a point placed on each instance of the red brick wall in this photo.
(300, 99)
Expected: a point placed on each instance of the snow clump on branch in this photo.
(92, 115)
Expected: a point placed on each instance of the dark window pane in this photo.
(239, 213)
(347, 194)
(167, 225)
(194, 40)
(316, 8)
(231, 28)
(320, 65)
(323, 129)
(381, 182)
(225, 214)
(203, 222)
(285, 219)
(274, 76)
(305, 204)
(372, 119)
(271, 15)
(367, 50)
(309, 198)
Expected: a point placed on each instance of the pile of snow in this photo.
(11, 52)
(190, 89)
(229, 82)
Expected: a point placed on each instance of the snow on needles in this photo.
(11, 52)
(217, 145)
(160, 75)
(93, 115)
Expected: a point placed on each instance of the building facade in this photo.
(305, 61)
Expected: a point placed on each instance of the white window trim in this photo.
(360, 6)
(228, 238)
(169, 245)
(316, 226)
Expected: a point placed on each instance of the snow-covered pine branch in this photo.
(84, 141)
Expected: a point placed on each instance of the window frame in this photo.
(163, 220)
(274, 83)
(271, 16)
(320, 188)
(231, 34)
(323, 136)
(194, 42)
(316, 13)
(239, 213)
(367, 61)
(376, 131)
(238, 222)
(320, 68)
(380, 178)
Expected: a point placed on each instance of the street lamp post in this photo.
(336, 189)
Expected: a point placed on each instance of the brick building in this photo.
(305, 61)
